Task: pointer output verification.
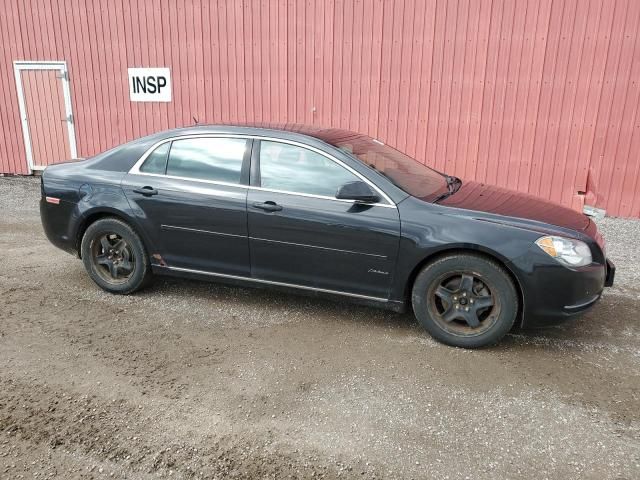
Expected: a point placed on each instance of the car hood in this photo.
(488, 198)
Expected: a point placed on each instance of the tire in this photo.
(114, 256)
(465, 300)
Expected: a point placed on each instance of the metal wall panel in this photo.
(540, 96)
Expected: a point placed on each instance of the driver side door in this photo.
(300, 234)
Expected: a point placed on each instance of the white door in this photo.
(45, 109)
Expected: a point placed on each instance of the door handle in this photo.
(146, 191)
(268, 206)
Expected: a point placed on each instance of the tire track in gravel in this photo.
(121, 440)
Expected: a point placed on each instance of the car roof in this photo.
(328, 135)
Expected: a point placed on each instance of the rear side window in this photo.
(215, 159)
(156, 162)
(295, 169)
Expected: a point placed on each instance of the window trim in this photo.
(135, 170)
(166, 159)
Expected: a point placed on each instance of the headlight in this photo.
(572, 253)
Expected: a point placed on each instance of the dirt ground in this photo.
(191, 380)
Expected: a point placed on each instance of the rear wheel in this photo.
(114, 256)
(465, 300)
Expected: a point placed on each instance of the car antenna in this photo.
(195, 120)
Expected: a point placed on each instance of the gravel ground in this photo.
(191, 380)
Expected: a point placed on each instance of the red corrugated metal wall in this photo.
(539, 95)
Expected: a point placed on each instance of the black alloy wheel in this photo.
(465, 300)
(114, 256)
(463, 303)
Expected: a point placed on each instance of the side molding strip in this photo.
(279, 284)
(210, 232)
(196, 230)
(318, 247)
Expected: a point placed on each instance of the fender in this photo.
(105, 200)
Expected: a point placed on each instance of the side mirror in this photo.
(358, 191)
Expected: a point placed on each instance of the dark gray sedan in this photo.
(327, 212)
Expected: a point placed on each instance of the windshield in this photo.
(405, 172)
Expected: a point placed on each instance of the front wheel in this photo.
(114, 256)
(465, 300)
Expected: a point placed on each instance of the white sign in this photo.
(149, 84)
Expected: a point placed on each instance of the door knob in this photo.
(146, 191)
(268, 206)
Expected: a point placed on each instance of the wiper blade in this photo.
(453, 185)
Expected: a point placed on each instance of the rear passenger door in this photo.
(190, 195)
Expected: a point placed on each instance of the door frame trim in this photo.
(61, 66)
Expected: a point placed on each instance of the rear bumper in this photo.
(56, 224)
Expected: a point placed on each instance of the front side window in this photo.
(295, 169)
(214, 159)
(156, 162)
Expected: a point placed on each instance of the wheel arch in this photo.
(466, 249)
(96, 214)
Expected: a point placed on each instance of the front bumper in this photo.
(553, 293)
(611, 273)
